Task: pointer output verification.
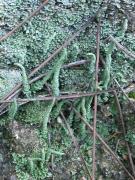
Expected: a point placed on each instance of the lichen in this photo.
(26, 86)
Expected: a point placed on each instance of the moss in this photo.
(33, 113)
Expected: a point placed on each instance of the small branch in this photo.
(76, 144)
(24, 21)
(105, 144)
(95, 103)
(124, 131)
(76, 63)
(122, 48)
(48, 98)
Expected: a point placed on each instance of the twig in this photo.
(105, 144)
(24, 21)
(122, 48)
(76, 63)
(124, 131)
(48, 98)
(76, 144)
(95, 103)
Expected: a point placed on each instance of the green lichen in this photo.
(26, 86)
(55, 81)
(107, 70)
(56, 110)
(48, 110)
(92, 58)
(109, 51)
(13, 109)
(84, 114)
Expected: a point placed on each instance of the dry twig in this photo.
(122, 48)
(48, 98)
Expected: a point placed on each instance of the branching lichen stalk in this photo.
(13, 109)
(26, 86)
(48, 110)
(55, 81)
(111, 47)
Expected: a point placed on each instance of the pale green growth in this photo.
(75, 51)
(92, 58)
(83, 108)
(111, 47)
(48, 43)
(55, 81)
(56, 152)
(55, 73)
(71, 117)
(48, 110)
(57, 109)
(31, 165)
(123, 30)
(107, 70)
(39, 84)
(84, 114)
(12, 109)
(88, 108)
(26, 86)
(43, 155)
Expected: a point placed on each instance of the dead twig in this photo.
(124, 131)
(95, 103)
(48, 98)
(105, 144)
(24, 21)
(76, 144)
(76, 63)
(122, 48)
